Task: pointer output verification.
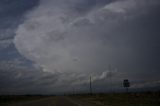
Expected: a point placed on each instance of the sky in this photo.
(54, 46)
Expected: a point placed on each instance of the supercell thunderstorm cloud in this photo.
(67, 41)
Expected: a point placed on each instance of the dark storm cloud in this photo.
(11, 13)
(142, 36)
(84, 6)
(22, 81)
(70, 40)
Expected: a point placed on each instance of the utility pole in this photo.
(73, 91)
(90, 85)
(110, 77)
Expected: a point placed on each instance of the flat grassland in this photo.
(123, 99)
(107, 99)
(4, 100)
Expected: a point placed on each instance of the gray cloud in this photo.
(75, 39)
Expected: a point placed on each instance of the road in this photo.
(55, 101)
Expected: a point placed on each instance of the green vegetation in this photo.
(123, 99)
(15, 99)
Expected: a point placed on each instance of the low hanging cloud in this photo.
(62, 37)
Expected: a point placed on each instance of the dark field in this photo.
(5, 100)
(114, 99)
(121, 99)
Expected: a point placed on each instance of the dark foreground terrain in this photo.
(124, 99)
(50, 101)
(118, 99)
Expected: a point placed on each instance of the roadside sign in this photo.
(126, 83)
